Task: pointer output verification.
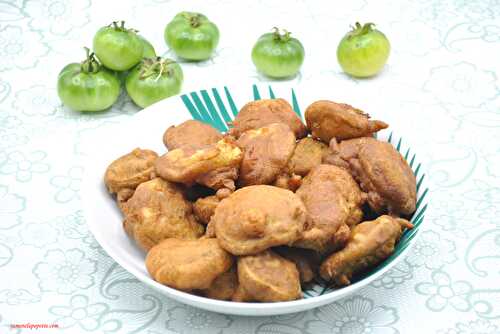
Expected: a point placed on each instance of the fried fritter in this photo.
(125, 173)
(308, 154)
(157, 211)
(257, 114)
(327, 120)
(333, 202)
(267, 151)
(287, 181)
(190, 133)
(370, 243)
(187, 264)
(381, 171)
(224, 286)
(215, 165)
(255, 218)
(204, 208)
(307, 261)
(267, 277)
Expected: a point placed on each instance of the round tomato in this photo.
(363, 51)
(87, 86)
(154, 79)
(192, 36)
(278, 55)
(118, 48)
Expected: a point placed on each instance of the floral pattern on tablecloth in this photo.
(440, 89)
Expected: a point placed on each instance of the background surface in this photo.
(440, 89)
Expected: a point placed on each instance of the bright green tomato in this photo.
(277, 55)
(192, 36)
(118, 48)
(363, 51)
(87, 86)
(148, 49)
(154, 80)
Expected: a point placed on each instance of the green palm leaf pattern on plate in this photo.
(212, 110)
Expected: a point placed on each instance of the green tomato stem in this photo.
(359, 30)
(285, 37)
(90, 64)
(121, 27)
(156, 66)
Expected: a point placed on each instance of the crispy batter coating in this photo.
(190, 133)
(327, 120)
(224, 286)
(333, 201)
(381, 172)
(187, 264)
(257, 114)
(307, 261)
(125, 173)
(204, 208)
(255, 218)
(308, 154)
(158, 210)
(267, 277)
(370, 243)
(188, 165)
(267, 151)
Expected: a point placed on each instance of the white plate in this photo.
(145, 130)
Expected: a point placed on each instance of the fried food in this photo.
(257, 114)
(307, 261)
(267, 277)
(370, 243)
(381, 172)
(187, 264)
(204, 208)
(287, 181)
(333, 202)
(327, 120)
(308, 154)
(255, 218)
(190, 133)
(214, 165)
(224, 286)
(157, 211)
(125, 173)
(267, 151)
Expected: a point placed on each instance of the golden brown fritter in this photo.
(267, 151)
(327, 120)
(190, 133)
(370, 243)
(125, 173)
(204, 208)
(267, 277)
(381, 172)
(333, 202)
(187, 264)
(255, 218)
(158, 210)
(224, 286)
(307, 261)
(257, 114)
(214, 165)
(308, 154)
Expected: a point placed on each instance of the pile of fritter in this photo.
(258, 213)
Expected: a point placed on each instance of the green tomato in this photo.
(277, 55)
(192, 36)
(87, 86)
(154, 80)
(118, 48)
(363, 51)
(148, 49)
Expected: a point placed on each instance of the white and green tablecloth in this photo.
(440, 88)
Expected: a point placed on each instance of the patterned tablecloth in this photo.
(440, 85)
